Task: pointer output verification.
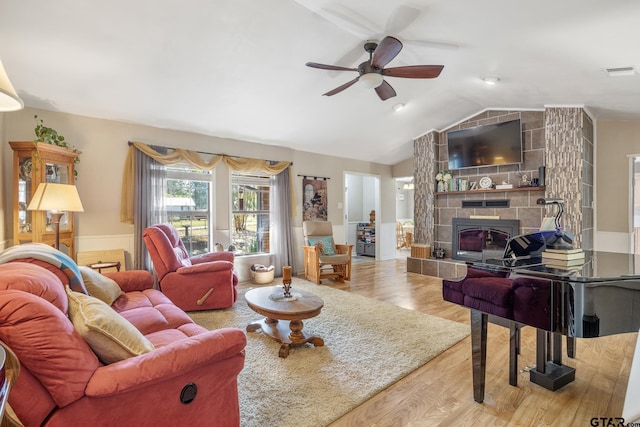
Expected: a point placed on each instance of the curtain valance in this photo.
(179, 155)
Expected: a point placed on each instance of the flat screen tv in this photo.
(486, 145)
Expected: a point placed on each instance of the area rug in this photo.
(368, 345)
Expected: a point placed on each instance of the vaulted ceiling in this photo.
(236, 68)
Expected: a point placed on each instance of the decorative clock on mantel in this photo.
(485, 182)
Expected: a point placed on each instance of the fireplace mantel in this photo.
(507, 190)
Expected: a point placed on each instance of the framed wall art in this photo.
(314, 199)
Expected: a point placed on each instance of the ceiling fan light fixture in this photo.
(491, 81)
(371, 80)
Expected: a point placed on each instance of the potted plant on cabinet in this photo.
(51, 136)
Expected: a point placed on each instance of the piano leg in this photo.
(571, 347)
(478, 353)
(550, 373)
(514, 350)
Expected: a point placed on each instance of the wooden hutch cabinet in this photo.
(35, 163)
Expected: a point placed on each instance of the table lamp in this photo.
(57, 198)
(559, 240)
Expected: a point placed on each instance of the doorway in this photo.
(362, 201)
(634, 194)
(404, 216)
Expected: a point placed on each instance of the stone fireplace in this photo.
(561, 139)
(475, 239)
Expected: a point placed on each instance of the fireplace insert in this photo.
(475, 239)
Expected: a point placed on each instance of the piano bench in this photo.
(490, 296)
(452, 288)
(532, 302)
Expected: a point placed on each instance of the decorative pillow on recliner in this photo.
(325, 243)
(110, 336)
(99, 286)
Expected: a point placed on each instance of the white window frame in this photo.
(204, 176)
(249, 179)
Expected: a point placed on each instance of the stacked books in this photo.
(567, 259)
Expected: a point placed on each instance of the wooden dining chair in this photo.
(400, 237)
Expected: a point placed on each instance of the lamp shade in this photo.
(56, 197)
(9, 99)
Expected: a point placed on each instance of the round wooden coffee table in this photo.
(284, 317)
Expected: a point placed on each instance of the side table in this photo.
(100, 265)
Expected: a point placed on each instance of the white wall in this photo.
(404, 202)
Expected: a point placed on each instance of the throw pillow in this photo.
(99, 286)
(111, 337)
(325, 243)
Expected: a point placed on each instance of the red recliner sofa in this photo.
(188, 378)
(201, 282)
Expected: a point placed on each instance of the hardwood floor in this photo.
(440, 392)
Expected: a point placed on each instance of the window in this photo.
(188, 206)
(250, 213)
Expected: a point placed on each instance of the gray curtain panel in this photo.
(281, 236)
(150, 209)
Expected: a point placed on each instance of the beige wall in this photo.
(403, 169)
(5, 224)
(615, 140)
(104, 147)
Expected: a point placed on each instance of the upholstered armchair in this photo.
(201, 282)
(322, 257)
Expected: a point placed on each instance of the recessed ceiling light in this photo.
(491, 80)
(621, 71)
(398, 107)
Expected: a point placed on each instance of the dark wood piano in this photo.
(601, 297)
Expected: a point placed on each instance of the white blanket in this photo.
(48, 254)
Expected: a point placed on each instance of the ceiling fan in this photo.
(372, 72)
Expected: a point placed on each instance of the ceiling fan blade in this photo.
(385, 91)
(353, 56)
(341, 88)
(388, 48)
(329, 67)
(414, 71)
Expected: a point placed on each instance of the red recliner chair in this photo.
(201, 282)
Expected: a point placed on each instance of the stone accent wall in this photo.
(533, 146)
(445, 206)
(569, 160)
(588, 188)
(423, 165)
(522, 206)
